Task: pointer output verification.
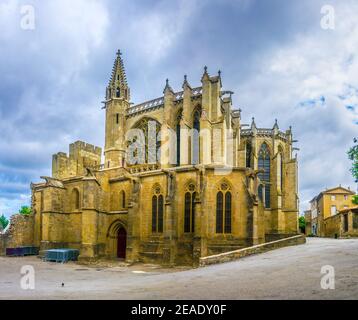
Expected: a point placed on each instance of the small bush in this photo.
(25, 210)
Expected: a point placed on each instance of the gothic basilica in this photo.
(181, 178)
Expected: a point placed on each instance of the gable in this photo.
(338, 190)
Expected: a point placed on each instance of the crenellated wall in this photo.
(81, 156)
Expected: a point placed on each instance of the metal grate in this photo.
(22, 251)
(61, 255)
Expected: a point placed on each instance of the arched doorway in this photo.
(121, 243)
(116, 240)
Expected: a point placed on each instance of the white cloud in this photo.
(155, 32)
(319, 66)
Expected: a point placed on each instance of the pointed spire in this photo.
(186, 83)
(205, 75)
(276, 127)
(118, 71)
(118, 86)
(167, 87)
(253, 124)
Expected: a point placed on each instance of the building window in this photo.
(264, 163)
(248, 154)
(189, 209)
(123, 199)
(118, 92)
(333, 198)
(178, 128)
(117, 118)
(157, 211)
(345, 197)
(280, 169)
(144, 146)
(196, 138)
(75, 197)
(223, 209)
(333, 210)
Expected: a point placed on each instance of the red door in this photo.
(122, 243)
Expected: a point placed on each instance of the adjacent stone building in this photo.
(212, 188)
(342, 225)
(327, 205)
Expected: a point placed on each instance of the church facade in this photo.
(181, 179)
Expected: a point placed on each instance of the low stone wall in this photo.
(237, 254)
(2, 245)
(19, 233)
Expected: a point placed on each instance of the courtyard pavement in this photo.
(286, 273)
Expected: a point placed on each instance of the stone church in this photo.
(197, 182)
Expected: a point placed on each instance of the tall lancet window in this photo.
(264, 163)
(157, 210)
(280, 168)
(248, 154)
(179, 117)
(223, 209)
(189, 209)
(144, 146)
(196, 138)
(118, 92)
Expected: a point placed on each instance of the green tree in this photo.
(302, 224)
(25, 210)
(3, 222)
(353, 156)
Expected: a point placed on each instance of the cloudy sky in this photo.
(273, 54)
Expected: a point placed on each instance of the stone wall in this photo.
(234, 255)
(334, 226)
(19, 233)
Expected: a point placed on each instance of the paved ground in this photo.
(287, 273)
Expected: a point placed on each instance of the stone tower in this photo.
(116, 104)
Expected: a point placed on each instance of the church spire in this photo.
(118, 86)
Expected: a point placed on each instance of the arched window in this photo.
(280, 169)
(189, 209)
(223, 209)
(75, 199)
(228, 212)
(123, 199)
(260, 194)
(179, 117)
(248, 154)
(157, 211)
(264, 163)
(118, 92)
(196, 138)
(219, 212)
(151, 144)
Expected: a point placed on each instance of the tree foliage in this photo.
(302, 223)
(355, 199)
(25, 210)
(3, 222)
(353, 156)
